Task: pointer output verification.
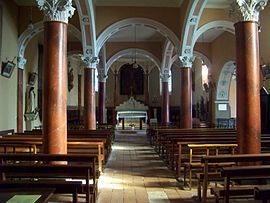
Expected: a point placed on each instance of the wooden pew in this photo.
(262, 193)
(211, 160)
(7, 132)
(197, 151)
(17, 148)
(79, 166)
(248, 172)
(75, 146)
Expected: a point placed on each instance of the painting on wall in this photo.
(7, 69)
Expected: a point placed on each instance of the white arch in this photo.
(224, 81)
(87, 22)
(218, 24)
(204, 58)
(33, 31)
(122, 24)
(124, 52)
(192, 19)
(167, 57)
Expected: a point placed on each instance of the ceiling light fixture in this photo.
(134, 64)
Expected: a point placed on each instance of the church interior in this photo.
(116, 101)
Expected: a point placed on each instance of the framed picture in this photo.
(32, 78)
(7, 69)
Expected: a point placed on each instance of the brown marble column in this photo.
(55, 88)
(146, 94)
(115, 96)
(186, 98)
(89, 99)
(248, 87)
(101, 102)
(79, 96)
(210, 106)
(165, 104)
(20, 101)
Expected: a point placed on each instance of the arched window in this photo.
(169, 83)
(204, 76)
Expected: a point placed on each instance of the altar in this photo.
(131, 114)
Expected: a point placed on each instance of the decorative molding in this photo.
(29, 34)
(21, 61)
(190, 27)
(165, 77)
(247, 10)
(102, 77)
(56, 10)
(167, 56)
(186, 61)
(224, 81)
(131, 105)
(90, 61)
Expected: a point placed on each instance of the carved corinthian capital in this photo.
(186, 61)
(21, 61)
(102, 75)
(247, 10)
(165, 77)
(56, 10)
(90, 61)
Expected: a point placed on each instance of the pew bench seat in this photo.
(262, 193)
(60, 186)
(238, 192)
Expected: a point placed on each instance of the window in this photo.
(204, 76)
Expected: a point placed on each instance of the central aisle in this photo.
(136, 174)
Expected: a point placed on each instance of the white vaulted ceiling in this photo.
(143, 33)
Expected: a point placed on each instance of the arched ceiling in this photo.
(143, 34)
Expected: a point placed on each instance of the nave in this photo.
(135, 174)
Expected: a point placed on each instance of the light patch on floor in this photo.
(158, 197)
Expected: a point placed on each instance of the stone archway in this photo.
(124, 52)
(120, 25)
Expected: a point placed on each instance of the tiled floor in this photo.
(136, 174)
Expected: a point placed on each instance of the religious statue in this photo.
(31, 111)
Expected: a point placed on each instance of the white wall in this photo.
(8, 86)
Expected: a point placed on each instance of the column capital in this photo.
(102, 75)
(186, 61)
(165, 77)
(21, 61)
(90, 61)
(247, 10)
(56, 10)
